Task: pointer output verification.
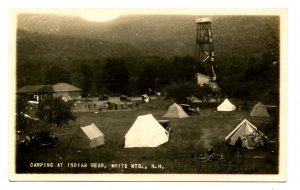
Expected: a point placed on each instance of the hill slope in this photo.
(166, 36)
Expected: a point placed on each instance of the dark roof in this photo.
(46, 88)
(29, 89)
(59, 87)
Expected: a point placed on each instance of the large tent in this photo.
(226, 105)
(175, 111)
(259, 110)
(248, 133)
(146, 132)
(87, 137)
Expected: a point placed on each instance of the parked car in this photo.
(187, 108)
(124, 98)
(103, 98)
(38, 139)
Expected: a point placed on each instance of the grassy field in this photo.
(180, 155)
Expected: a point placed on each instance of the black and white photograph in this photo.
(148, 95)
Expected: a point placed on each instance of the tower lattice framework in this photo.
(204, 51)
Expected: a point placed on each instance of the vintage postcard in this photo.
(148, 95)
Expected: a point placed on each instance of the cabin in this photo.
(204, 79)
(36, 92)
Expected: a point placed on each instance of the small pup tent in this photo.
(248, 133)
(175, 111)
(259, 110)
(87, 137)
(146, 132)
(226, 105)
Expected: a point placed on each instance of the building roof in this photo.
(203, 20)
(46, 88)
(63, 87)
(29, 89)
(59, 87)
(202, 75)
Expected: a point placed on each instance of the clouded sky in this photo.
(102, 15)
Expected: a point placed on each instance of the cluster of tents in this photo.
(176, 111)
(146, 131)
(249, 134)
(259, 109)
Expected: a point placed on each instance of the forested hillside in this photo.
(164, 36)
(161, 47)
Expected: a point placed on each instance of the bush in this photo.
(182, 92)
(54, 110)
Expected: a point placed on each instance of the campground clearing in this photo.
(181, 154)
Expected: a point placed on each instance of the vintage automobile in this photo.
(187, 108)
(103, 97)
(124, 98)
(38, 139)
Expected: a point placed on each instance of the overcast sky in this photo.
(102, 15)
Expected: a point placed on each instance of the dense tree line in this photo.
(113, 75)
(256, 77)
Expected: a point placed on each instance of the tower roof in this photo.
(203, 20)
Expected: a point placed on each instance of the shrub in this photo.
(54, 110)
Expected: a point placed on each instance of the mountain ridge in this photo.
(151, 35)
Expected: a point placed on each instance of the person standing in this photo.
(238, 144)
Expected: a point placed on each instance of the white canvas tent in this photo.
(87, 137)
(146, 132)
(247, 132)
(226, 105)
(175, 111)
(259, 110)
